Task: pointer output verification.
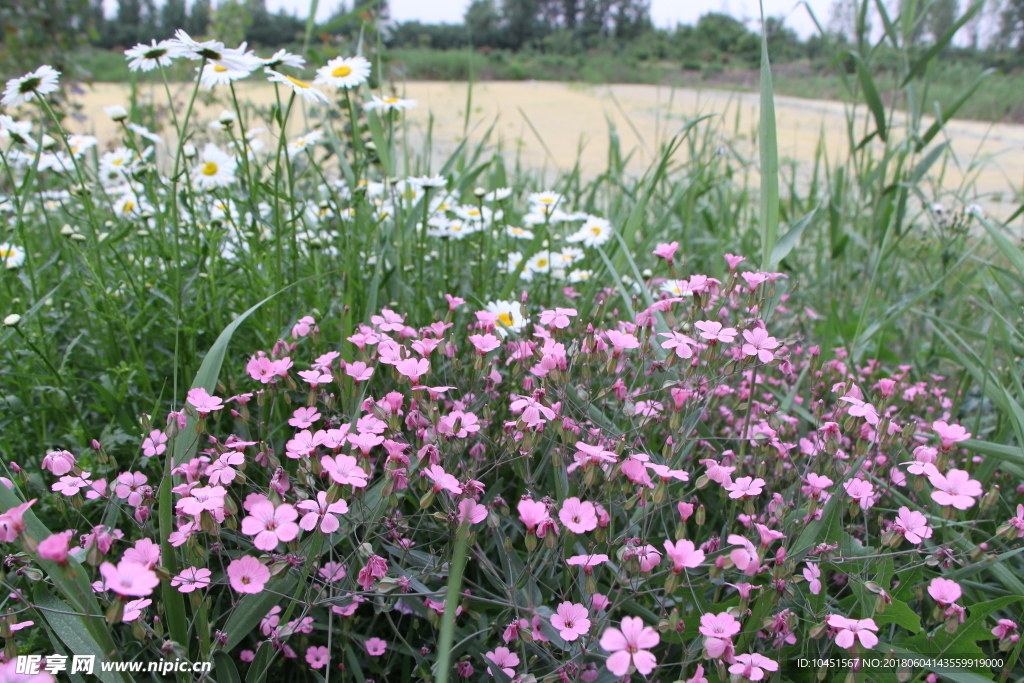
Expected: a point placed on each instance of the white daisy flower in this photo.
(148, 57)
(42, 81)
(518, 233)
(594, 232)
(18, 131)
(12, 255)
(545, 199)
(58, 161)
(284, 58)
(476, 214)
(343, 72)
(297, 145)
(116, 113)
(300, 88)
(676, 288)
(114, 165)
(580, 275)
(215, 74)
(567, 257)
(217, 169)
(221, 209)
(509, 319)
(80, 144)
(499, 194)
(544, 215)
(237, 59)
(389, 104)
(129, 205)
(434, 181)
(539, 262)
(144, 132)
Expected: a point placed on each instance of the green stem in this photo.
(451, 601)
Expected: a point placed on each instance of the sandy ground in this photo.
(570, 123)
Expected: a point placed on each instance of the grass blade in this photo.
(769, 150)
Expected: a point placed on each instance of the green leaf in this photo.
(789, 240)
(253, 608)
(899, 613)
(224, 667)
(769, 151)
(931, 53)
(867, 84)
(69, 628)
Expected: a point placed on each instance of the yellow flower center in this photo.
(390, 100)
(595, 231)
(128, 206)
(117, 162)
(219, 69)
(4, 253)
(298, 82)
(542, 263)
(342, 71)
(505, 319)
(547, 200)
(209, 168)
(473, 212)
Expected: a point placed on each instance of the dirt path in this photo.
(573, 122)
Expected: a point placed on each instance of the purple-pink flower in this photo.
(630, 646)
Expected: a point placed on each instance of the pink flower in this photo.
(71, 485)
(55, 547)
(344, 469)
(588, 562)
(484, 343)
(949, 434)
(578, 516)
(621, 341)
(680, 342)
(131, 485)
(944, 591)
(745, 487)
(413, 368)
(861, 409)
(851, 630)
(201, 400)
(955, 488)
(714, 332)
(630, 646)
(388, 321)
(270, 525)
(358, 371)
(154, 444)
(861, 491)
(813, 576)
(1004, 628)
(443, 481)
(745, 558)
(12, 522)
(129, 579)
(303, 326)
(145, 552)
(376, 568)
(375, 647)
(571, 620)
(912, 525)
(558, 318)
(247, 575)
(722, 625)
(454, 301)
(471, 511)
(683, 555)
(734, 261)
(303, 418)
(698, 676)
(59, 462)
(759, 344)
(666, 250)
(504, 659)
(533, 514)
(317, 657)
(192, 579)
(647, 555)
(816, 484)
(752, 667)
(319, 511)
(133, 609)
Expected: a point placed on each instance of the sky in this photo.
(664, 13)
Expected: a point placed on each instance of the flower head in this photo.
(247, 575)
(630, 647)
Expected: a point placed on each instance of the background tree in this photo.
(230, 21)
(173, 15)
(199, 17)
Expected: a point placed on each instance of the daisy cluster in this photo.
(681, 492)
